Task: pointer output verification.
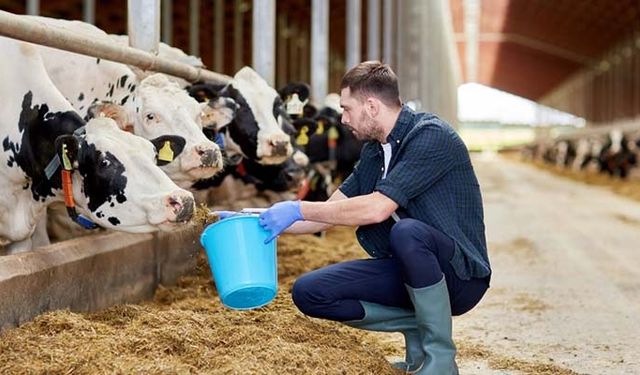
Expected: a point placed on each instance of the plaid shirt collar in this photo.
(402, 127)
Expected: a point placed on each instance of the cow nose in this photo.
(209, 156)
(180, 206)
(279, 148)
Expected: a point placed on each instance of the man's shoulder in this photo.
(430, 125)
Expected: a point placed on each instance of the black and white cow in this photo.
(616, 157)
(113, 176)
(151, 107)
(256, 131)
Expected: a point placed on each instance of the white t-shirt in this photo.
(386, 148)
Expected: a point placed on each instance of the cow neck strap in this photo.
(67, 191)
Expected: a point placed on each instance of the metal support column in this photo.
(33, 7)
(218, 36)
(167, 21)
(238, 13)
(89, 11)
(319, 49)
(373, 30)
(264, 39)
(144, 24)
(387, 32)
(194, 27)
(353, 27)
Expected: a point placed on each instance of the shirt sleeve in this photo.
(426, 158)
(351, 186)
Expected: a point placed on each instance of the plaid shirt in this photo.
(431, 179)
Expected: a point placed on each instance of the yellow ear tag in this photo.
(294, 106)
(303, 138)
(333, 133)
(166, 153)
(320, 128)
(66, 163)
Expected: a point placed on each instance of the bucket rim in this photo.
(234, 217)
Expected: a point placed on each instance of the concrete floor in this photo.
(566, 276)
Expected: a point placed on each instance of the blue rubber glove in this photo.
(280, 217)
(225, 214)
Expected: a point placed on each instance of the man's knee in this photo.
(308, 296)
(409, 235)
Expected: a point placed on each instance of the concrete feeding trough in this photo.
(93, 272)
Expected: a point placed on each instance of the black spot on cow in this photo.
(114, 220)
(124, 100)
(99, 214)
(122, 80)
(112, 204)
(121, 198)
(39, 128)
(94, 101)
(132, 88)
(81, 97)
(103, 176)
(81, 108)
(92, 89)
(98, 61)
(110, 92)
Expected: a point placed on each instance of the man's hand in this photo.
(280, 217)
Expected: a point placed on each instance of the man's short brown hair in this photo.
(373, 78)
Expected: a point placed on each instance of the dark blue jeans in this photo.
(420, 256)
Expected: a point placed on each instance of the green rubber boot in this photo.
(433, 317)
(380, 318)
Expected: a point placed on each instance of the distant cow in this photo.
(256, 132)
(616, 157)
(110, 176)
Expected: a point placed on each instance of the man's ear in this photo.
(372, 106)
(112, 111)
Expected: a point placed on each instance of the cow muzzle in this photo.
(179, 206)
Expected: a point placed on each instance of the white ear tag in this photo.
(294, 106)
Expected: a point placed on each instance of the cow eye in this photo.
(150, 116)
(104, 163)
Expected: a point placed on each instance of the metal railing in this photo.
(29, 30)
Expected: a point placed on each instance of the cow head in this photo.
(163, 109)
(117, 184)
(257, 127)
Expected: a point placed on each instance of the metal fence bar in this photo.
(18, 27)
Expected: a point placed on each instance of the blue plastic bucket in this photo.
(244, 268)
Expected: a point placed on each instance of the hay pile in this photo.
(185, 329)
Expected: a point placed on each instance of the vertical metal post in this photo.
(264, 39)
(89, 11)
(319, 49)
(167, 21)
(373, 30)
(387, 32)
(144, 24)
(281, 51)
(238, 13)
(33, 7)
(303, 44)
(353, 27)
(194, 27)
(218, 36)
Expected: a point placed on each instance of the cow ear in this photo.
(67, 150)
(168, 147)
(112, 111)
(218, 113)
(310, 125)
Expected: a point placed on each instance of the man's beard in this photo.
(370, 131)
